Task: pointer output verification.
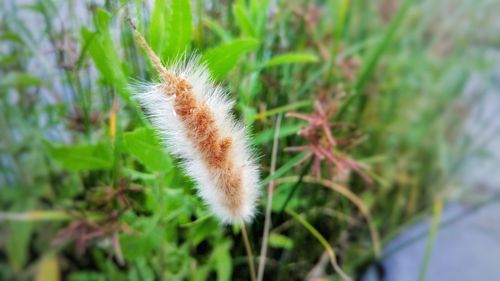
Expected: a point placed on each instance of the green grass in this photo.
(61, 165)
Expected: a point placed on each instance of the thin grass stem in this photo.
(436, 217)
(269, 203)
(323, 242)
(248, 248)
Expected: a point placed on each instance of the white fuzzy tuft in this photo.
(160, 108)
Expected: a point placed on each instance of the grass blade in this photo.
(285, 168)
(374, 57)
(291, 58)
(436, 217)
(322, 241)
(179, 29)
(220, 60)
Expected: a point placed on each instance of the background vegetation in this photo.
(87, 192)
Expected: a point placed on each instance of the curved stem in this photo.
(248, 248)
(352, 197)
(322, 241)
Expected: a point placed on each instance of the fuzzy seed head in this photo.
(192, 116)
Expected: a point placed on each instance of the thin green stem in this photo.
(436, 217)
(322, 241)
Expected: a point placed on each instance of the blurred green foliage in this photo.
(126, 210)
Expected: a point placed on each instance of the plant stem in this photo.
(322, 241)
(269, 203)
(248, 248)
(436, 217)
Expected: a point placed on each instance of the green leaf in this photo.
(243, 20)
(249, 113)
(103, 18)
(141, 271)
(179, 29)
(100, 46)
(217, 28)
(281, 197)
(48, 269)
(147, 149)
(372, 59)
(86, 276)
(17, 244)
(220, 60)
(285, 108)
(18, 239)
(251, 17)
(201, 231)
(291, 58)
(11, 36)
(223, 261)
(6, 60)
(340, 9)
(83, 157)
(285, 168)
(268, 135)
(374, 56)
(46, 8)
(200, 273)
(19, 80)
(280, 241)
(157, 27)
(145, 239)
(437, 211)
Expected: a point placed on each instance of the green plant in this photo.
(79, 160)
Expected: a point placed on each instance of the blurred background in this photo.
(408, 189)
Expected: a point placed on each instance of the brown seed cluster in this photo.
(207, 139)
